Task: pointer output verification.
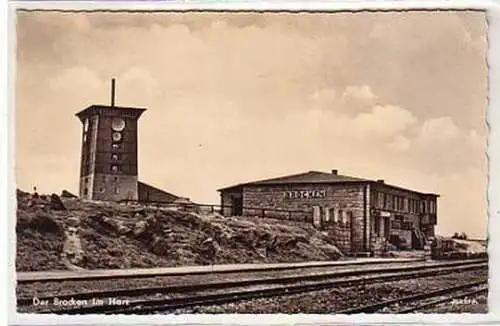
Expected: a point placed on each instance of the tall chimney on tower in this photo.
(113, 82)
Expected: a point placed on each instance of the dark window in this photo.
(85, 191)
(116, 190)
(101, 189)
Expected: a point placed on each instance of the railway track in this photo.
(421, 301)
(184, 296)
(85, 275)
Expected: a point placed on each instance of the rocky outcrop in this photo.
(95, 235)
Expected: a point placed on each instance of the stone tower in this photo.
(108, 168)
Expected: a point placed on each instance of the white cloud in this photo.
(441, 129)
(400, 143)
(360, 92)
(384, 121)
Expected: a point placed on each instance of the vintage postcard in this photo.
(251, 162)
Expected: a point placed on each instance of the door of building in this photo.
(387, 227)
(236, 206)
(317, 216)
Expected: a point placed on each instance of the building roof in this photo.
(147, 187)
(100, 109)
(315, 177)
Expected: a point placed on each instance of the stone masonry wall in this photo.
(346, 199)
(108, 187)
(340, 232)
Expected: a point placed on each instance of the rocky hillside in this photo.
(65, 233)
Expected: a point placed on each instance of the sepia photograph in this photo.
(251, 162)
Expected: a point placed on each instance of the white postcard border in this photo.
(7, 163)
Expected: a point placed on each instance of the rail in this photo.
(277, 287)
(373, 308)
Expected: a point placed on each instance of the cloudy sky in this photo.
(234, 97)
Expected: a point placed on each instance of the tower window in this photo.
(116, 191)
(101, 189)
(116, 179)
(115, 157)
(114, 168)
(115, 146)
(85, 192)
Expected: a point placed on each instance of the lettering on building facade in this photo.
(305, 194)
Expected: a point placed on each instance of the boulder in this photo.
(160, 246)
(56, 203)
(121, 228)
(46, 224)
(140, 228)
(209, 248)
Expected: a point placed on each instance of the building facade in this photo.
(362, 214)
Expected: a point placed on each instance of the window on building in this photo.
(101, 189)
(405, 204)
(433, 207)
(348, 217)
(115, 146)
(380, 200)
(114, 168)
(115, 157)
(116, 179)
(334, 212)
(344, 217)
(85, 191)
(116, 190)
(326, 215)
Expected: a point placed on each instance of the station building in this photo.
(363, 214)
